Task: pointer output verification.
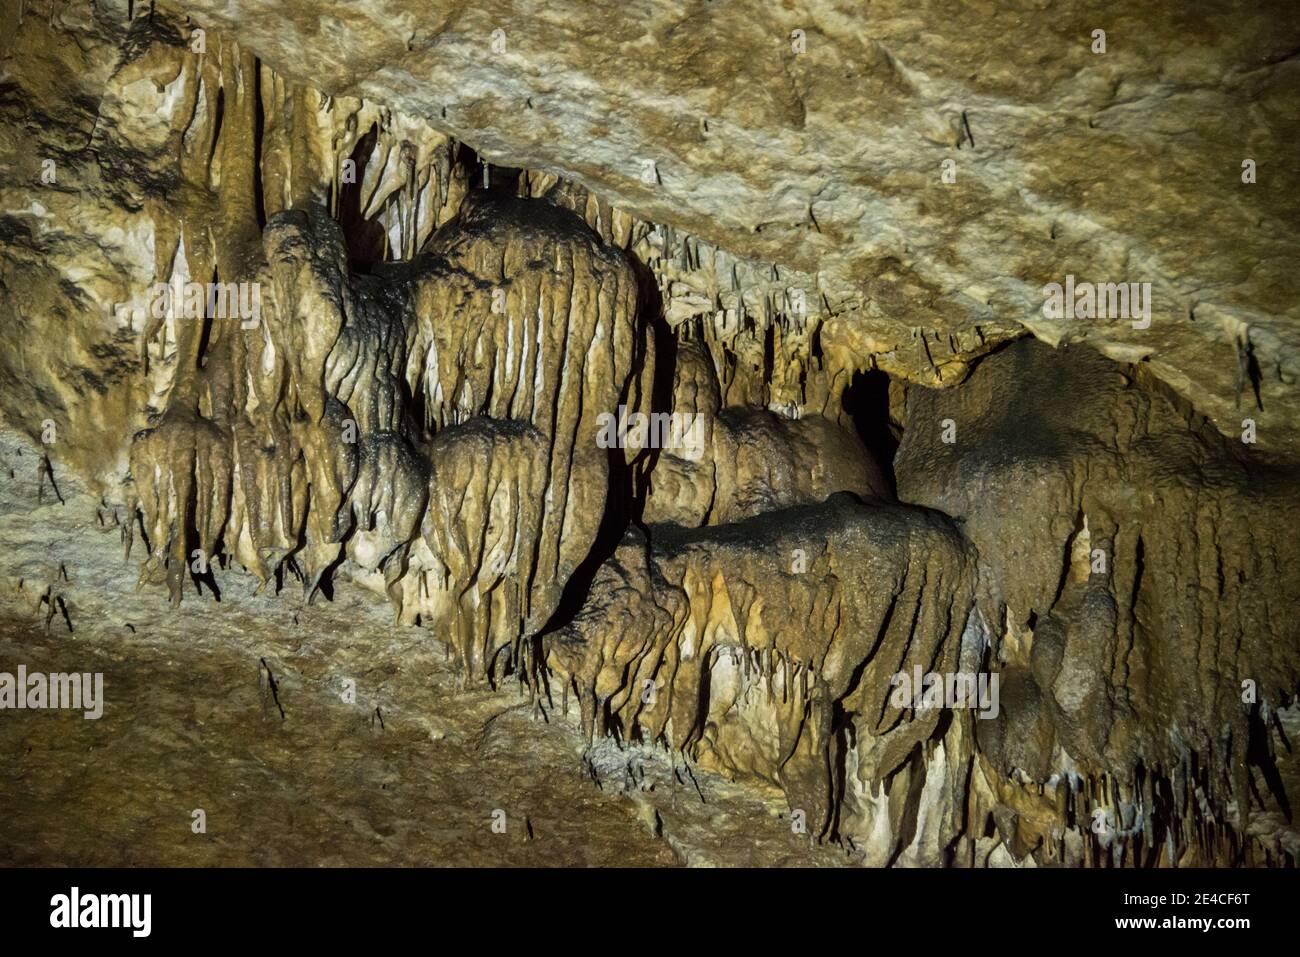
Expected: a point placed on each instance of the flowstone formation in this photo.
(768, 647)
(795, 502)
(1140, 585)
(438, 417)
(741, 461)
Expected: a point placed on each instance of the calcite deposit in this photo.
(670, 395)
(767, 645)
(1141, 581)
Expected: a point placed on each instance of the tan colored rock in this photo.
(1137, 561)
(814, 137)
(528, 332)
(720, 218)
(741, 462)
(751, 646)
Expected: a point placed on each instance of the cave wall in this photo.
(416, 405)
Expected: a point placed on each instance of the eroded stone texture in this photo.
(739, 462)
(528, 331)
(417, 401)
(511, 332)
(767, 646)
(407, 774)
(72, 248)
(1137, 569)
(822, 151)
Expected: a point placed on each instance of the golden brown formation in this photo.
(768, 646)
(615, 462)
(1140, 580)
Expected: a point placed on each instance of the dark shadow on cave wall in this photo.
(866, 405)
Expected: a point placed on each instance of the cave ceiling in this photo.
(812, 136)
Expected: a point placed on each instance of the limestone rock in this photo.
(1134, 525)
(815, 137)
(701, 364)
(735, 463)
(766, 645)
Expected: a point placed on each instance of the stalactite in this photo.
(659, 613)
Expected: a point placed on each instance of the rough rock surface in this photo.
(739, 462)
(406, 771)
(1141, 573)
(821, 151)
(419, 267)
(767, 646)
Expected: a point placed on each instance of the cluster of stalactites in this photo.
(357, 414)
(204, 464)
(250, 452)
(517, 328)
(740, 644)
(1146, 817)
(527, 335)
(267, 421)
(323, 395)
(337, 151)
(758, 321)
